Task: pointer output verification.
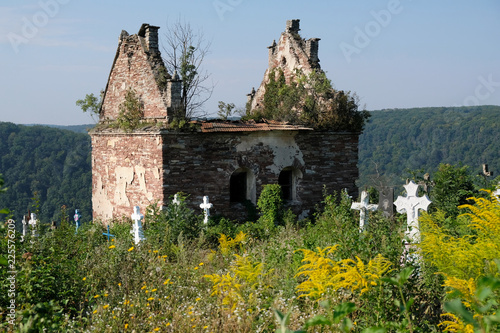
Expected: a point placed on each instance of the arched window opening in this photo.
(288, 180)
(238, 186)
(285, 180)
(242, 186)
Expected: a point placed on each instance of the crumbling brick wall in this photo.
(127, 171)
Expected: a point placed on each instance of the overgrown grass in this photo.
(225, 277)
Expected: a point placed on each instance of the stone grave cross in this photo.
(77, 218)
(25, 227)
(137, 227)
(206, 208)
(411, 205)
(386, 201)
(363, 206)
(497, 192)
(33, 223)
(176, 200)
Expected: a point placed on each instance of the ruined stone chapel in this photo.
(229, 161)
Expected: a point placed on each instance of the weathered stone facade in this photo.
(227, 161)
(138, 65)
(149, 166)
(291, 53)
(126, 172)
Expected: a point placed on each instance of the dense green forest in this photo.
(45, 168)
(397, 140)
(55, 163)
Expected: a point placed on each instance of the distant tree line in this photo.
(44, 169)
(400, 140)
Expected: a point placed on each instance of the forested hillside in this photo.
(55, 163)
(399, 139)
(45, 166)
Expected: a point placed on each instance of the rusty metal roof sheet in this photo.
(207, 127)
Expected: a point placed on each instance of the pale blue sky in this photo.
(393, 54)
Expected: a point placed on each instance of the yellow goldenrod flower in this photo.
(198, 299)
(106, 306)
(196, 267)
(201, 264)
(143, 287)
(95, 311)
(105, 295)
(190, 312)
(126, 326)
(96, 296)
(147, 304)
(166, 281)
(226, 244)
(194, 326)
(153, 290)
(168, 324)
(155, 251)
(156, 329)
(84, 279)
(151, 298)
(130, 249)
(111, 247)
(205, 327)
(119, 284)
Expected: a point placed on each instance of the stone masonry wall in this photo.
(142, 168)
(132, 69)
(126, 172)
(202, 164)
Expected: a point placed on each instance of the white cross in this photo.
(25, 228)
(206, 208)
(411, 205)
(176, 200)
(363, 206)
(33, 222)
(137, 227)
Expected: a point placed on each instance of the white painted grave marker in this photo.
(363, 206)
(176, 200)
(33, 223)
(206, 208)
(411, 205)
(25, 228)
(137, 226)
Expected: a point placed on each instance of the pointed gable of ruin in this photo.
(138, 66)
(291, 53)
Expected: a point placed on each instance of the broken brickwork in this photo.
(138, 65)
(291, 53)
(227, 161)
